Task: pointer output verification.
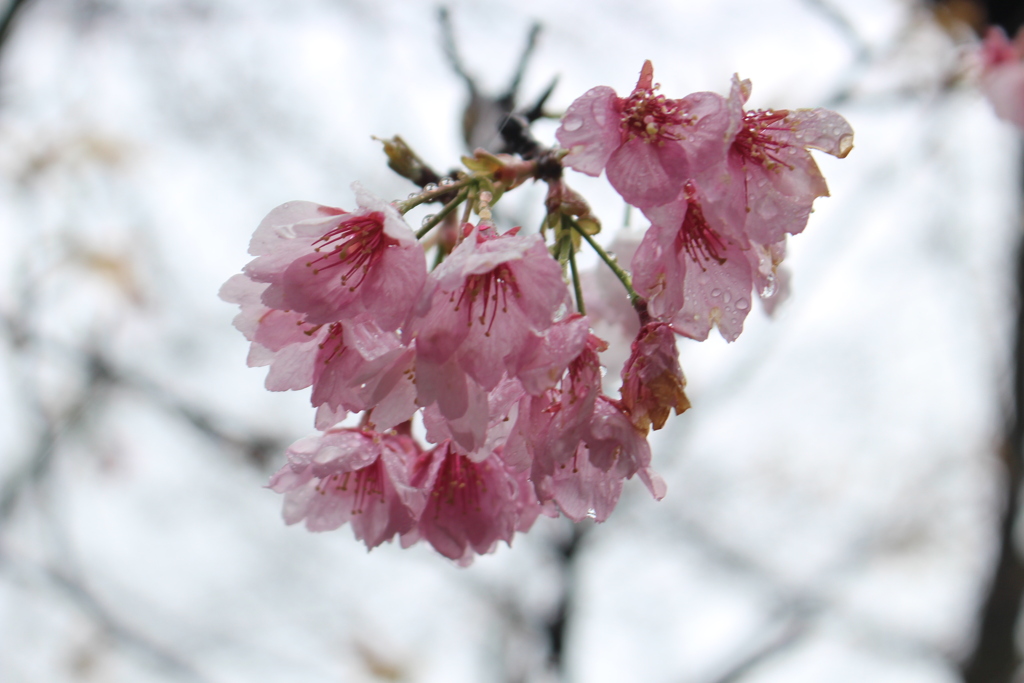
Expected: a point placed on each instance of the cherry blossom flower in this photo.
(693, 272)
(551, 425)
(589, 485)
(354, 476)
(652, 381)
(770, 176)
(331, 265)
(1002, 74)
(646, 143)
(500, 409)
(481, 315)
(353, 366)
(471, 505)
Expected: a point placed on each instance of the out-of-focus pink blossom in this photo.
(647, 143)
(353, 476)
(331, 265)
(652, 381)
(1002, 74)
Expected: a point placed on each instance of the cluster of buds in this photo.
(475, 387)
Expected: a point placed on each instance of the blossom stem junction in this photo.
(432, 195)
(440, 215)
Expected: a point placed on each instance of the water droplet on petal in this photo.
(742, 304)
(571, 123)
(771, 284)
(727, 298)
(716, 292)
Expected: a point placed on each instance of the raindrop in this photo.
(286, 232)
(426, 219)
(727, 298)
(429, 187)
(447, 181)
(716, 292)
(413, 195)
(771, 284)
(591, 513)
(571, 123)
(742, 304)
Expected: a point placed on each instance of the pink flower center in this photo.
(357, 244)
(651, 117)
(366, 484)
(695, 236)
(459, 483)
(492, 290)
(333, 339)
(755, 143)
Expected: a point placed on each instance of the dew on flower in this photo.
(572, 123)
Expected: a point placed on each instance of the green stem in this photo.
(576, 280)
(409, 204)
(440, 215)
(441, 253)
(612, 263)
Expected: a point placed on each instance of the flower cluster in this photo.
(721, 186)
(1002, 74)
(483, 356)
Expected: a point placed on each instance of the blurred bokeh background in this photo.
(836, 495)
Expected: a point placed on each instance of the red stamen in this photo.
(651, 117)
(358, 243)
(490, 289)
(695, 235)
(754, 145)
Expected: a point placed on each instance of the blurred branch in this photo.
(785, 638)
(995, 657)
(91, 607)
(493, 122)
(12, 11)
(557, 627)
(37, 465)
(861, 49)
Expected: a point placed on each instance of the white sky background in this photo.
(835, 478)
